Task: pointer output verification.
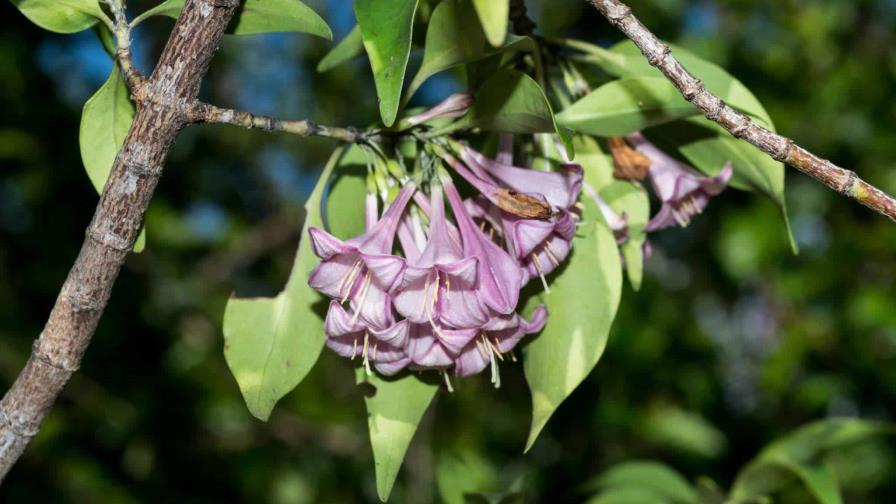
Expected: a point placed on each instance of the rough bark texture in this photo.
(162, 103)
(779, 147)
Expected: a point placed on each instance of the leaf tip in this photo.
(541, 413)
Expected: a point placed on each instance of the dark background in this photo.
(731, 342)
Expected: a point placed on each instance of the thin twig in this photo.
(204, 113)
(779, 147)
(57, 353)
(122, 31)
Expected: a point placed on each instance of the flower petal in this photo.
(528, 234)
(335, 277)
(425, 350)
(561, 189)
(413, 298)
(326, 245)
(392, 368)
(472, 360)
(500, 278)
(385, 270)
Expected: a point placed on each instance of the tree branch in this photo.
(110, 236)
(779, 147)
(204, 113)
(122, 31)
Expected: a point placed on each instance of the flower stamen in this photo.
(366, 359)
(349, 279)
(365, 287)
(544, 281)
(493, 347)
(447, 381)
(550, 254)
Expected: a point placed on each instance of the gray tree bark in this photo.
(162, 108)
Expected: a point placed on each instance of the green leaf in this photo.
(271, 343)
(460, 474)
(105, 122)
(581, 305)
(345, 196)
(684, 431)
(625, 60)
(714, 77)
(624, 197)
(394, 410)
(346, 49)
(626, 105)
(708, 147)
(801, 455)
(660, 480)
(630, 495)
(61, 16)
(512, 102)
(753, 169)
(453, 39)
(494, 16)
(386, 28)
(259, 16)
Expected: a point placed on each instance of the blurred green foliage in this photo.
(731, 342)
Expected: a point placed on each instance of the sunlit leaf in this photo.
(714, 77)
(345, 196)
(494, 16)
(61, 16)
(512, 102)
(453, 38)
(581, 306)
(386, 28)
(624, 197)
(271, 343)
(626, 105)
(105, 121)
(394, 409)
(259, 16)
(801, 455)
(347, 48)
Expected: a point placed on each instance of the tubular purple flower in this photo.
(540, 245)
(684, 192)
(499, 276)
(455, 105)
(350, 338)
(497, 338)
(561, 189)
(439, 288)
(362, 269)
(505, 149)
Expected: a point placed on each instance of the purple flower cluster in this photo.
(447, 300)
(446, 297)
